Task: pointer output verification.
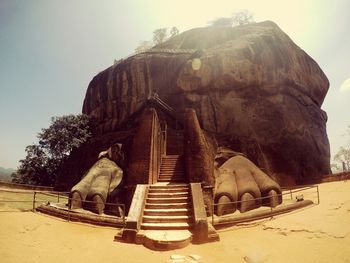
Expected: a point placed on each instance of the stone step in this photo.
(168, 195)
(167, 200)
(171, 165)
(165, 226)
(166, 219)
(171, 180)
(183, 205)
(171, 176)
(172, 156)
(168, 190)
(171, 171)
(168, 186)
(163, 240)
(171, 168)
(170, 212)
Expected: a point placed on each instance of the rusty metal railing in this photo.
(31, 199)
(287, 191)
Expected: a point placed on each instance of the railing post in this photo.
(165, 138)
(34, 201)
(58, 197)
(318, 196)
(69, 207)
(291, 195)
(123, 208)
(212, 214)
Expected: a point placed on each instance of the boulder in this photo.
(251, 86)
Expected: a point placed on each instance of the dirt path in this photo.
(315, 234)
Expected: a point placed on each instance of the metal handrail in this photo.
(264, 198)
(60, 194)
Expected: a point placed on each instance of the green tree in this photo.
(55, 144)
(159, 35)
(343, 157)
(174, 31)
(334, 167)
(143, 46)
(242, 17)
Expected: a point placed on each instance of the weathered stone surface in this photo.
(251, 86)
(241, 181)
(83, 158)
(98, 184)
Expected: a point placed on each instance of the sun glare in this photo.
(346, 85)
(196, 64)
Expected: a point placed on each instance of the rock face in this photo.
(251, 87)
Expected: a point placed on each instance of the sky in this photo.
(51, 49)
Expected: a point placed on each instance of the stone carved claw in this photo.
(239, 180)
(100, 183)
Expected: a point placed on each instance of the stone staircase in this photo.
(168, 207)
(172, 169)
(168, 203)
(167, 219)
(174, 142)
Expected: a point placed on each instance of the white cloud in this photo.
(346, 85)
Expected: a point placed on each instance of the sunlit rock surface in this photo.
(251, 86)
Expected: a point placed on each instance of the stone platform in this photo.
(164, 239)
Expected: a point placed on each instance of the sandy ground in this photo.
(319, 233)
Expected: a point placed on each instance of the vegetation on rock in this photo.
(240, 18)
(160, 35)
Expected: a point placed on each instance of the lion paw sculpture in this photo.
(100, 183)
(241, 185)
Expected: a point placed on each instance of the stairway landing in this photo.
(167, 217)
(168, 207)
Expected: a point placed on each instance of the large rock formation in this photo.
(251, 86)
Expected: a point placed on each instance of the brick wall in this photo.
(146, 150)
(199, 162)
